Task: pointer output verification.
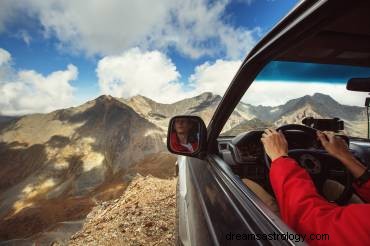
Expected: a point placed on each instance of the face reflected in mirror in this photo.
(184, 135)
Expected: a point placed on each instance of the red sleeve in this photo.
(306, 212)
(363, 191)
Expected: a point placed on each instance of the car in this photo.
(214, 205)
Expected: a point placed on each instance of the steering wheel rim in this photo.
(347, 192)
(288, 127)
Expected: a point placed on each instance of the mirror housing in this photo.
(359, 84)
(187, 135)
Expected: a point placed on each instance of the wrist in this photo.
(346, 158)
(363, 178)
(275, 157)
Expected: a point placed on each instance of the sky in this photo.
(60, 53)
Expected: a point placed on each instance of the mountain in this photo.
(59, 162)
(56, 167)
(4, 119)
(247, 125)
(203, 105)
(317, 106)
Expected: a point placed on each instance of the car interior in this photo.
(245, 155)
(342, 41)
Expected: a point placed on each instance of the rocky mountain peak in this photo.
(140, 98)
(317, 98)
(107, 99)
(207, 96)
(323, 98)
(104, 97)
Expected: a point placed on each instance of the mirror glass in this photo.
(184, 135)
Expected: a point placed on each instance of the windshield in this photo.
(287, 92)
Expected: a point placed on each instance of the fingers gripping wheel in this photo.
(319, 172)
(295, 127)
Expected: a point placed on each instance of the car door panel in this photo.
(216, 208)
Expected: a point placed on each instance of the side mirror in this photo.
(359, 84)
(187, 135)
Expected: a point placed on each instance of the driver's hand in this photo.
(275, 144)
(338, 148)
(334, 145)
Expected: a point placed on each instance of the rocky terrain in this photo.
(55, 166)
(143, 215)
(59, 167)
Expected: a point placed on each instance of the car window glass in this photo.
(288, 92)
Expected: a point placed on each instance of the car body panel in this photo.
(212, 206)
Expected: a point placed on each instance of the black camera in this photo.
(334, 124)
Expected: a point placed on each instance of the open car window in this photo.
(288, 92)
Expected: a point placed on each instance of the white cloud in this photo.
(7, 12)
(193, 27)
(4, 57)
(279, 92)
(150, 74)
(214, 77)
(6, 70)
(27, 91)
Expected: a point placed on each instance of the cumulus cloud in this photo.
(194, 27)
(214, 77)
(26, 91)
(4, 57)
(273, 93)
(152, 74)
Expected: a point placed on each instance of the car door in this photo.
(216, 208)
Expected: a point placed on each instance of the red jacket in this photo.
(305, 211)
(175, 144)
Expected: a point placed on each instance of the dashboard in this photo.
(248, 146)
(245, 154)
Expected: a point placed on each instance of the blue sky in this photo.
(55, 54)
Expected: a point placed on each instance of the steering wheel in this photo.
(316, 162)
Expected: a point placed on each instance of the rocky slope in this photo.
(143, 215)
(203, 106)
(60, 162)
(247, 125)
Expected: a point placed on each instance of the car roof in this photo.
(344, 40)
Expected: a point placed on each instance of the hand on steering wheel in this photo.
(316, 161)
(275, 143)
(334, 145)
